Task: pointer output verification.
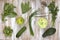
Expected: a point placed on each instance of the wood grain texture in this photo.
(35, 4)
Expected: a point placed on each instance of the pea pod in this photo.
(20, 32)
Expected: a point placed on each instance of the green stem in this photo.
(30, 26)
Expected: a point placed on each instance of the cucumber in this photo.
(20, 32)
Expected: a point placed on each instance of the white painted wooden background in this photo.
(35, 4)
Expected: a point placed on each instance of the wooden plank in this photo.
(26, 35)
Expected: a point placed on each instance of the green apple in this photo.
(20, 20)
(42, 22)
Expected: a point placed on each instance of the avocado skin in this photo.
(49, 32)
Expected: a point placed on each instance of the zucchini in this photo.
(20, 32)
(49, 32)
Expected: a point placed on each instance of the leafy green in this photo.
(30, 19)
(25, 7)
(7, 31)
(20, 32)
(49, 32)
(9, 7)
(8, 11)
(53, 10)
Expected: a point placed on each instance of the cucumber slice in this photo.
(20, 20)
(42, 22)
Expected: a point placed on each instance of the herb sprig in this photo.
(53, 10)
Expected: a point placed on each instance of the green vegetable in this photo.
(20, 20)
(8, 11)
(7, 31)
(25, 7)
(42, 22)
(53, 10)
(20, 32)
(30, 19)
(49, 32)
